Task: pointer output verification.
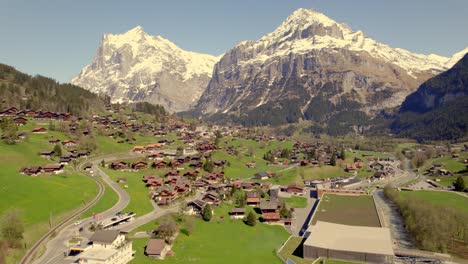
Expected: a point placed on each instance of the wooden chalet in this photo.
(31, 171)
(253, 198)
(46, 154)
(196, 207)
(39, 130)
(271, 217)
(52, 168)
(295, 190)
(119, 165)
(20, 121)
(237, 213)
(211, 198)
(139, 165)
(159, 164)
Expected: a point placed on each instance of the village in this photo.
(179, 171)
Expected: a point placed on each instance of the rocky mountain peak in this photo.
(309, 63)
(135, 66)
(304, 23)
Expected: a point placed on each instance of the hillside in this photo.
(437, 110)
(23, 91)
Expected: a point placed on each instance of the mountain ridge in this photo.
(135, 66)
(310, 56)
(435, 110)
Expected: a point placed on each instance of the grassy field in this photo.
(448, 180)
(296, 202)
(139, 195)
(440, 198)
(39, 198)
(348, 210)
(293, 251)
(450, 164)
(229, 241)
(323, 172)
(108, 199)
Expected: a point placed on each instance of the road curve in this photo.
(56, 246)
(33, 250)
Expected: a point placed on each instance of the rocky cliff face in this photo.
(440, 90)
(437, 110)
(137, 67)
(310, 61)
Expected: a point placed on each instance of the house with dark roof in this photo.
(52, 168)
(262, 175)
(139, 165)
(237, 213)
(195, 207)
(120, 165)
(212, 198)
(156, 248)
(253, 198)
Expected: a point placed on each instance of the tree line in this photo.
(434, 227)
(41, 93)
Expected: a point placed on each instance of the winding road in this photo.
(57, 245)
(33, 250)
(65, 231)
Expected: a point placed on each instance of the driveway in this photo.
(302, 216)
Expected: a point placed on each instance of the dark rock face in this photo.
(440, 90)
(437, 110)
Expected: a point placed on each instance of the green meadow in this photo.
(41, 199)
(442, 198)
(347, 210)
(222, 241)
(140, 202)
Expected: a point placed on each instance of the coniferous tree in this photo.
(207, 214)
(208, 166)
(251, 219)
(333, 159)
(9, 130)
(58, 150)
(459, 184)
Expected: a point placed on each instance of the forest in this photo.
(41, 93)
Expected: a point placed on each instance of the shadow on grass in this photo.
(299, 252)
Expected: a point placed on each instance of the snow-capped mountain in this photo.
(310, 62)
(135, 66)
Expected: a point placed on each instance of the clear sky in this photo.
(56, 38)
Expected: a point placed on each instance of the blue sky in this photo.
(56, 38)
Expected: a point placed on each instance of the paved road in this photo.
(56, 246)
(302, 216)
(156, 213)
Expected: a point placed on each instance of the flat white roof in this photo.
(375, 240)
(98, 253)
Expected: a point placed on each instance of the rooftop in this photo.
(375, 240)
(105, 236)
(155, 246)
